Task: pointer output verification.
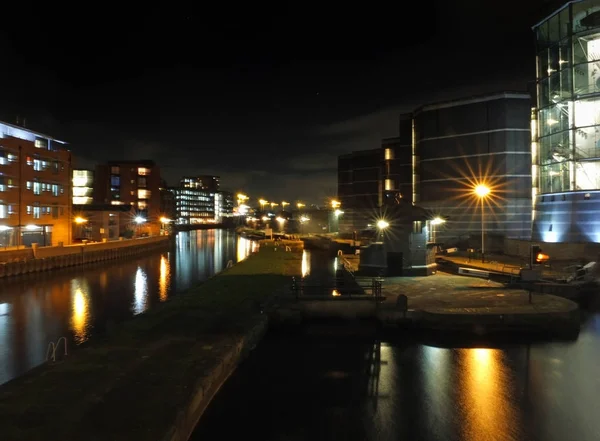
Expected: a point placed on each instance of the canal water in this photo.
(78, 303)
(336, 382)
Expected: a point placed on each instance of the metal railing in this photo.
(52, 348)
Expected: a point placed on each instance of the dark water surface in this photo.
(334, 382)
(79, 303)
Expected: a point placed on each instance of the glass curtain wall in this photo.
(568, 71)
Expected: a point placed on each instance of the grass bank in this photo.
(133, 384)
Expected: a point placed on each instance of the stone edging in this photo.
(207, 387)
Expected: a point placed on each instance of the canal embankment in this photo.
(151, 378)
(38, 259)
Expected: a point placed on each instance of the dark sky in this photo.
(265, 97)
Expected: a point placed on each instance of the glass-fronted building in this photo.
(566, 125)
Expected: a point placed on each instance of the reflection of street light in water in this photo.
(482, 191)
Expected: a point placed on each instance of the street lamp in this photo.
(382, 225)
(283, 204)
(335, 204)
(300, 205)
(482, 191)
(281, 221)
(435, 221)
(262, 203)
(80, 221)
(139, 220)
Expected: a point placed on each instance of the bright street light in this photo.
(139, 220)
(280, 220)
(437, 221)
(80, 220)
(304, 219)
(381, 224)
(300, 205)
(262, 203)
(482, 191)
(283, 204)
(335, 204)
(164, 220)
(338, 213)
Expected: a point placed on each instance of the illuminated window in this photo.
(41, 143)
(12, 157)
(143, 171)
(143, 194)
(29, 209)
(3, 211)
(115, 170)
(3, 158)
(116, 203)
(389, 184)
(142, 205)
(389, 154)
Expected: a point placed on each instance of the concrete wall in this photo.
(15, 255)
(50, 258)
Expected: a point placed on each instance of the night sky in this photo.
(265, 97)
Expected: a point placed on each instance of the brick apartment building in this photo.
(35, 188)
(133, 183)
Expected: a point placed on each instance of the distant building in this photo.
(195, 200)
(566, 123)
(83, 187)
(35, 188)
(202, 182)
(224, 204)
(133, 183)
(168, 206)
(370, 179)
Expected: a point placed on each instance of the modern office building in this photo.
(133, 183)
(195, 200)
(566, 125)
(102, 222)
(442, 152)
(35, 188)
(83, 187)
(480, 140)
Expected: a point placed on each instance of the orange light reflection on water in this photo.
(485, 391)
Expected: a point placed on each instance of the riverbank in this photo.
(38, 259)
(151, 377)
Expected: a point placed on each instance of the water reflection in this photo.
(164, 277)
(487, 396)
(78, 303)
(245, 247)
(305, 263)
(140, 291)
(80, 307)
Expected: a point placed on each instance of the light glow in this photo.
(80, 220)
(139, 220)
(382, 224)
(165, 220)
(4, 228)
(437, 221)
(482, 190)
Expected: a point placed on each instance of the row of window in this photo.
(142, 171)
(37, 211)
(44, 187)
(115, 181)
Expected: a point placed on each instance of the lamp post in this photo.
(482, 191)
(262, 203)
